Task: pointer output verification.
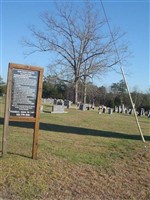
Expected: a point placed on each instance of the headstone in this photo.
(103, 109)
(43, 100)
(67, 103)
(60, 102)
(41, 108)
(99, 110)
(88, 107)
(119, 109)
(141, 112)
(109, 110)
(130, 111)
(93, 104)
(115, 109)
(93, 107)
(123, 109)
(148, 114)
(78, 104)
(55, 101)
(58, 109)
(82, 107)
(126, 111)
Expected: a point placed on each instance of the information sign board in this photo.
(24, 92)
(23, 99)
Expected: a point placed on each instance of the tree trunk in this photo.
(85, 91)
(76, 92)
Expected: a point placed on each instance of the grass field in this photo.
(81, 156)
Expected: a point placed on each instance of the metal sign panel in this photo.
(24, 93)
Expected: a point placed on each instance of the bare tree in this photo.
(82, 47)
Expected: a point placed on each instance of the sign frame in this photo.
(35, 119)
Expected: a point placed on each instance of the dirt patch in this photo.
(123, 180)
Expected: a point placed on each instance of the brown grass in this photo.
(81, 156)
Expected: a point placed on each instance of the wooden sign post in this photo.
(23, 100)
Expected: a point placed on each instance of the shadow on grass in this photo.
(19, 154)
(46, 111)
(76, 130)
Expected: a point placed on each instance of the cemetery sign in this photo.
(23, 99)
(24, 92)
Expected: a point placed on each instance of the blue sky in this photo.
(131, 16)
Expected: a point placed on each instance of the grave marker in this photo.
(82, 107)
(58, 109)
(67, 103)
(41, 109)
(110, 111)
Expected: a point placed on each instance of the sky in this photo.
(131, 16)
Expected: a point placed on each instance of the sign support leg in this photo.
(35, 140)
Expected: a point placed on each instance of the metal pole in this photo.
(123, 74)
(135, 114)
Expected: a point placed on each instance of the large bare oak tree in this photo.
(78, 37)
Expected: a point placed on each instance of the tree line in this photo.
(114, 95)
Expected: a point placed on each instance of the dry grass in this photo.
(81, 156)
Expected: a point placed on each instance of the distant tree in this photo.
(2, 86)
(62, 90)
(115, 88)
(119, 87)
(141, 100)
(122, 87)
(117, 101)
(146, 102)
(92, 93)
(111, 103)
(137, 98)
(70, 92)
(101, 95)
(76, 36)
(54, 88)
(119, 92)
(49, 87)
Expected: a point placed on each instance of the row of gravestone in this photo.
(122, 109)
(142, 112)
(59, 105)
(65, 102)
(100, 109)
(47, 100)
(117, 109)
